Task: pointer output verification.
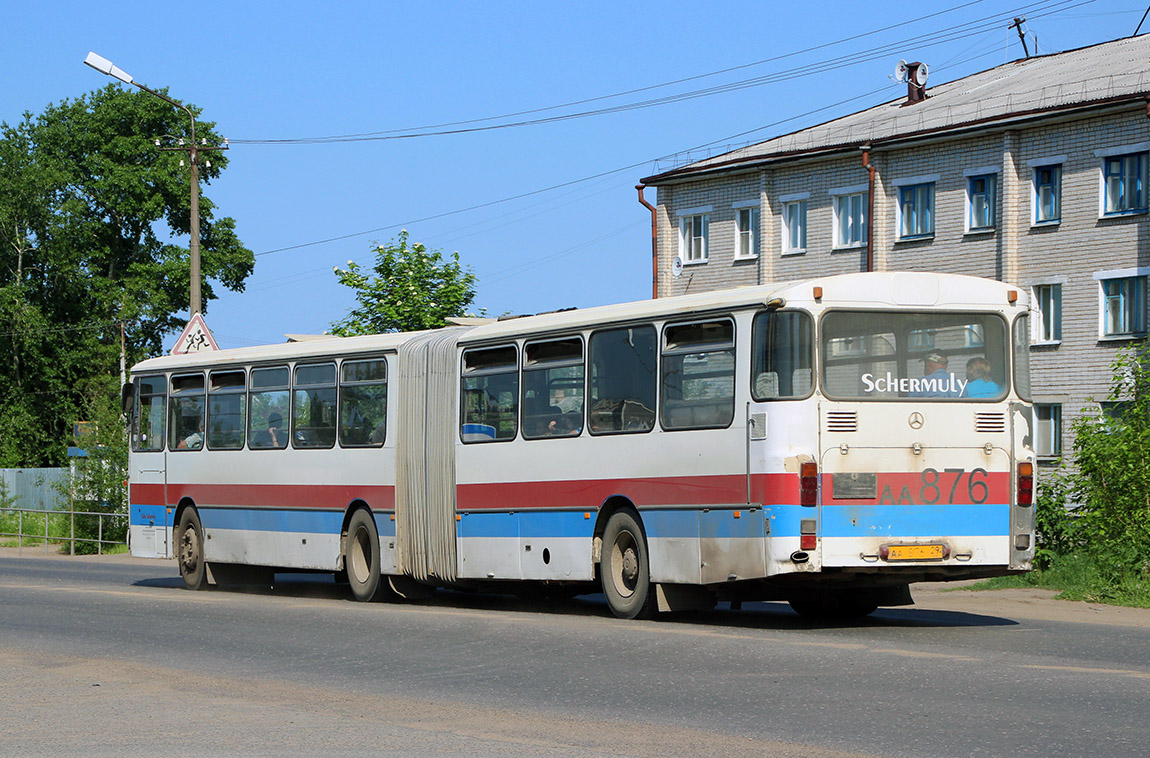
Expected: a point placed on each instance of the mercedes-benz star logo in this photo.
(916, 420)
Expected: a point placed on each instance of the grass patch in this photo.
(1081, 576)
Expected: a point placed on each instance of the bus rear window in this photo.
(869, 355)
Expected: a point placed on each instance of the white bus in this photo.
(824, 442)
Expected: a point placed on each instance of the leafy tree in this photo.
(1112, 477)
(408, 289)
(87, 208)
(97, 484)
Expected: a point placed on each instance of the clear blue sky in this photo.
(265, 71)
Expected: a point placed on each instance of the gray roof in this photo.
(1089, 76)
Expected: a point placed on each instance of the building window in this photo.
(1048, 430)
(795, 226)
(1123, 306)
(1122, 184)
(850, 219)
(916, 211)
(980, 199)
(1047, 322)
(1047, 194)
(747, 232)
(693, 233)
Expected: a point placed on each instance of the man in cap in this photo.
(937, 381)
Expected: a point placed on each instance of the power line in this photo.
(956, 32)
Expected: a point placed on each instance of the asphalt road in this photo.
(109, 656)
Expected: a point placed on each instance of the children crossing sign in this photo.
(196, 338)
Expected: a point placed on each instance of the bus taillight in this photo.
(1025, 483)
(808, 483)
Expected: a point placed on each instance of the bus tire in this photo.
(361, 558)
(190, 550)
(624, 567)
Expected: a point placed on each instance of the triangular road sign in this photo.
(196, 338)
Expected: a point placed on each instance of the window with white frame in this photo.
(980, 202)
(1122, 301)
(916, 210)
(850, 213)
(1046, 322)
(1047, 194)
(795, 226)
(693, 237)
(1048, 430)
(1123, 183)
(747, 232)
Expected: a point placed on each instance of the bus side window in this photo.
(698, 375)
(148, 424)
(781, 355)
(267, 408)
(186, 428)
(623, 383)
(489, 389)
(226, 409)
(313, 406)
(363, 403)
(553, 388)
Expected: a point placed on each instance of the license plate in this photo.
(916, 552)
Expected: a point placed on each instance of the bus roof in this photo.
(883, 289)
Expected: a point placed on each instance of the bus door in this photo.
(150, 519)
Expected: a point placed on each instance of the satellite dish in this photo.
(676, 266)
(920, 74)
(900, 71)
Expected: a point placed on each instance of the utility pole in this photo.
(193, 149)
(1017, 24)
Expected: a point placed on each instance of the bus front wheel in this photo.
(623, 567)
(190, 547)
(361, 557)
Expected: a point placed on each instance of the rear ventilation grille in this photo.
(989, 423)
(842, 421)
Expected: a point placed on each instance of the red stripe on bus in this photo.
(327, 496)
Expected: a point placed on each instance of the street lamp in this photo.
(105, 66)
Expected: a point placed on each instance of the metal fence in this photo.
(35, 507)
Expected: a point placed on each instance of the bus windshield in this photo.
(882, 355)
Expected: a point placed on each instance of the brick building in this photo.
(1034, 173)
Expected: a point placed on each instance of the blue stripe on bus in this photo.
(914, 521)
(266, 520)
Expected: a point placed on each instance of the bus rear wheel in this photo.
(190, 550)
(624, 567)
(361, 557)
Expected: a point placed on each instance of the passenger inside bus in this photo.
(274, 436)
(978, 381)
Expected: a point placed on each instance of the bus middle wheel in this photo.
(624, 567)
(361, 557)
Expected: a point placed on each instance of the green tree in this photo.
(97, 484)
(88, 210)
(408, 289)
(1112, 477)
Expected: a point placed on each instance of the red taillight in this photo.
(1025, 483)
(809, 483)
(808, 542)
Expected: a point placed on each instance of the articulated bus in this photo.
(824, 442)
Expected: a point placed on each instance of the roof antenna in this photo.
(1017, 24)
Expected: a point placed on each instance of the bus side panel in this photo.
(280, 507)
